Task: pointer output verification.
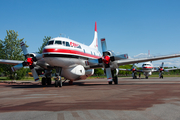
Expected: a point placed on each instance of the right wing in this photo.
(129, 70)
(132, 61)
(10, 62)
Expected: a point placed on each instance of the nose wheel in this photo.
(58, 81)
(46, 81)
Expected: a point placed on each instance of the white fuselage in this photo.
(70, 56)
(147, 69)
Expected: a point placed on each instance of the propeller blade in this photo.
(23, 47)
(108, 74)
(35, 75)
(103, 45)
(17, 67)
(162, 64)
(133, 65)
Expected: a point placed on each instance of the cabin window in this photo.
(58, 42)
(67, 44)
(64, 43)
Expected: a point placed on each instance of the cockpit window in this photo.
(50, 42)
(58, 42)
(146, 64)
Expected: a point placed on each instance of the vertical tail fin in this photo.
(94, 44)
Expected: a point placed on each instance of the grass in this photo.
(91, 77)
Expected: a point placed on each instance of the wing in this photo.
(131, 61)
(129, 70)
(10, 62)
(125, 69)
(167, 70)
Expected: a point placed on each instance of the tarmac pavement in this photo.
(131, 99)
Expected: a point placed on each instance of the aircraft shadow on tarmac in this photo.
(89, 84)
(52, 85)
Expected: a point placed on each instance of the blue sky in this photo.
(129, 26)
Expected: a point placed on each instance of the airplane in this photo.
(75, 61)
(147, 69)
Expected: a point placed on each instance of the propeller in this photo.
(161, 69)
(107, 59)
(133, 71)
(28, 62)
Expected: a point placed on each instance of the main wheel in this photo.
(48, 81)
(43, 81)
(146, 77)
(56, 83)
(115, 79)
(110, 82)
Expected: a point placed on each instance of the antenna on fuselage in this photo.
(61, 35)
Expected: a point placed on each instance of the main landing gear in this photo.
(46, 81)
(115, 78)
(134, 75)
(161, 76)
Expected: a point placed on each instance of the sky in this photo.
(129, 26)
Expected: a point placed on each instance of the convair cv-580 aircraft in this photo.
(147, 69)
(75, 61)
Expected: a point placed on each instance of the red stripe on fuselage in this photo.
(148, 67)
(69, 52)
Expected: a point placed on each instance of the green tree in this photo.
(45, 40)
(121, 72)
(11, 50)
(98, 71)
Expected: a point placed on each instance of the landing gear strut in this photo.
(115, 78)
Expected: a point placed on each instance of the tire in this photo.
(48, 81)
(43, 81)
(110, 82)
(115, 79)
(56, 83)
(146, 77)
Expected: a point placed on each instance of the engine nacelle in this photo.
(36, 56)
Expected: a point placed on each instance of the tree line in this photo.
(10, 49)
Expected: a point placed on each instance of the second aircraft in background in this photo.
(147, 69)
